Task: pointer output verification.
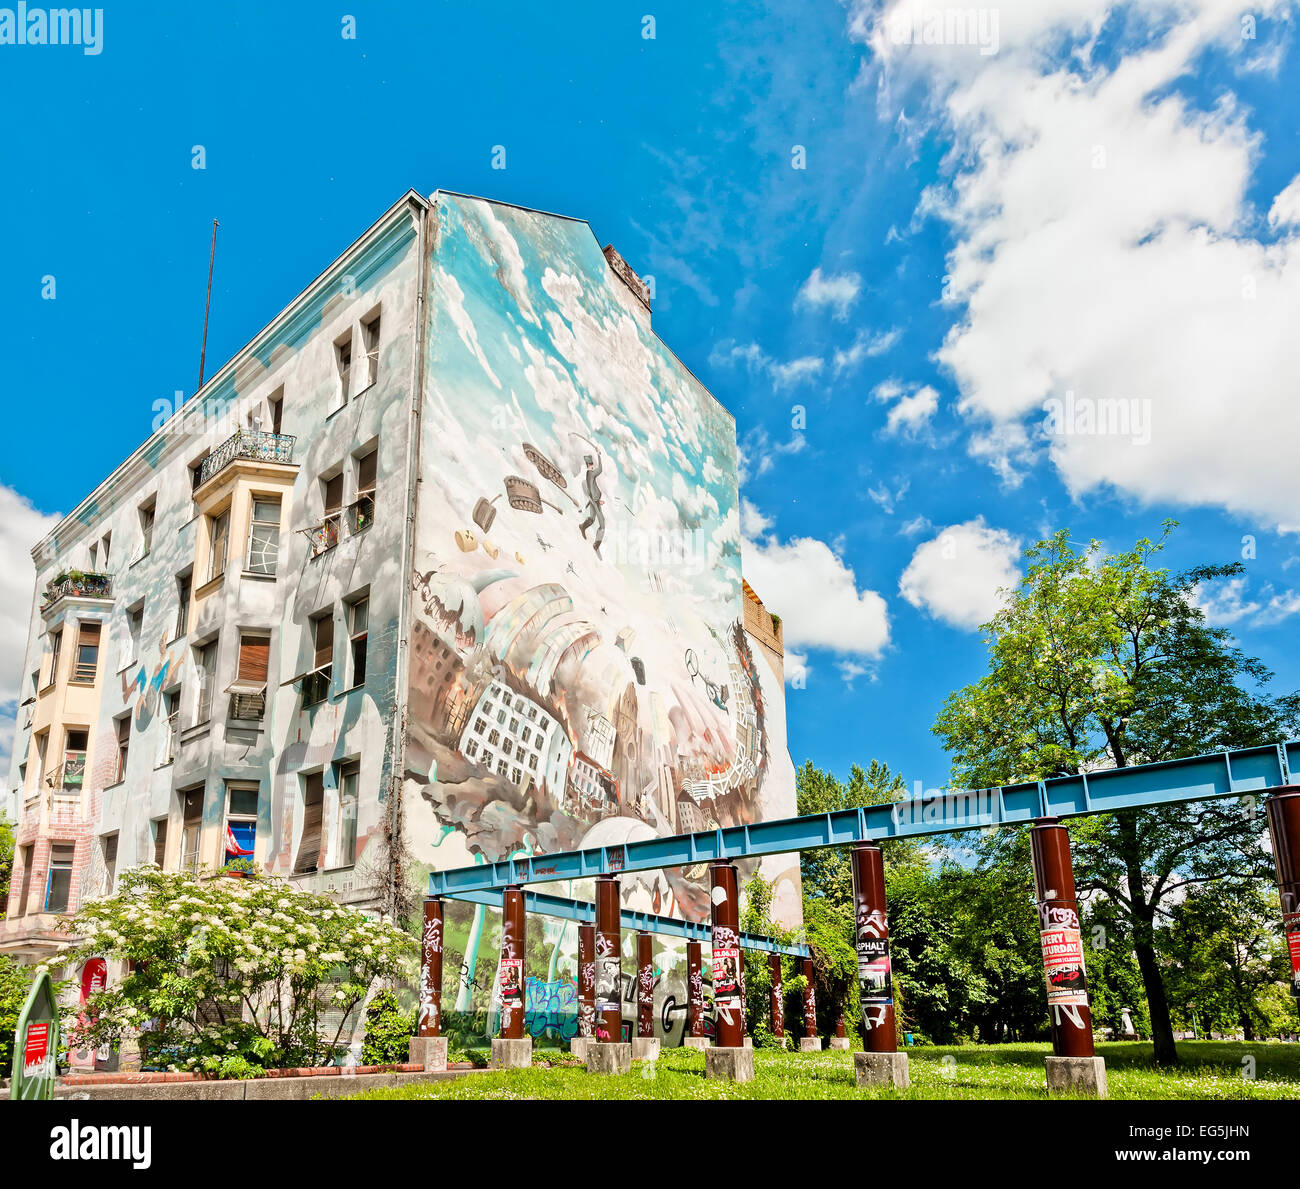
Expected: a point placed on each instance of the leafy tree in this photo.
(1104, 660)
(756, 917)
(6, 856)
(1226, 953)
(388, 1030)
(231, 975)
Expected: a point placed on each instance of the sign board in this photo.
(36, 1044)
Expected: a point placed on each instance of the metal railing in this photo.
(324, 535)
(79, 586)
(69, 776)
(247, 443)
(247, 707)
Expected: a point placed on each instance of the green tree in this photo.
(6, 856)
(1104, 660)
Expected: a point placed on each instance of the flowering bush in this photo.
(231, 976)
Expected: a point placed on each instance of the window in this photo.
(42, 747)
(183, 584)
(349, 778)
(104, 544)
(264, 535)
(160, 842)
(327, 536)
(134, 628)
(108, 852)
(27, 853)
(206, 663)
(276, 407)
(56, 648)
(313, 800)
(241, 821)
(146, 527)
(123, 732)
(343, 359)
(358, 616)
(471, 748)
(72, 772)
(316, 687)
(191, 827)
(83, 672)
(370, 339)
(220, 541)
(248, 693)
(94, 555)
(172, 709)
(363, 507)
(58, 884)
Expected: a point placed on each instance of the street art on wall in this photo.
(580, 674)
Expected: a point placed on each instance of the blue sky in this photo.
(883, 257)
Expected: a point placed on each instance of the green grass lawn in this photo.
(1209, 1070)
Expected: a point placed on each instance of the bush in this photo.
(388, 1031)
(230, 976)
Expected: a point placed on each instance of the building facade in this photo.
(443, 567)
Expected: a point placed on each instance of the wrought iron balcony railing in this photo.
(69, 776)
(80, 585)
(247, 707)
(247, 443)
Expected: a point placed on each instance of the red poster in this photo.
(1063, 966)
(36, 1048)
(726, 972)
(512, 980)
(1293, 943)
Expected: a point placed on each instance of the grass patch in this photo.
(1209, 1070)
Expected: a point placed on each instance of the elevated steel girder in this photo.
(1197, 778)
(584, 913)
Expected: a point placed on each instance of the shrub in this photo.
(388, 1031)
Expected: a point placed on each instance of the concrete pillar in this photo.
(729, 1058)
(1284, 826)
(778, 997)
(512, 1049)
(695, 1038)
(428, 1046)
(881, 1064)
(810, 1042)
(1074, 1067)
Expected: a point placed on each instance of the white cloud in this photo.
(957, 576)
(1229, 601)
(796, 371)
(911, 412)
(1105, 244)
(752, 522)
(915, 527)
(816, 594)
(838, 290)
(21, 526)
(866, 346)
(756, 361)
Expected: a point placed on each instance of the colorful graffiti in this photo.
(551, 1007)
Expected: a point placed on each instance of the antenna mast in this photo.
(203, 353)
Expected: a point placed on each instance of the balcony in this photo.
(250, 444)
(70, 775)
(78, 584)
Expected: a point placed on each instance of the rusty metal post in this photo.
(510, 978)
(1284, 827)
(1074, 1066)
(609, 964)
(695, 1037)
(871, 938)
(777, 997)
(586, 980)
(645, 984)
(728, 1009)
(430, 1020)
(810, 1041)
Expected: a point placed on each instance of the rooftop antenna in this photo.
(203, 353)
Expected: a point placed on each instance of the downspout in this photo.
(396, 848)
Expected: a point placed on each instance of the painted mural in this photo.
(580, 674)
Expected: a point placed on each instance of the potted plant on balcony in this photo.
(239, 868)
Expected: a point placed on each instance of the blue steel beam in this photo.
(1198, 778)
(579, 910)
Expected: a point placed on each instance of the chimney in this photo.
(624, 272)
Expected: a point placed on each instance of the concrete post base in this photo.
(732, 1065)
(511, 1054)
(1084, 1076)
(578, 1046)
(645, 1048)
(749, 1042)
(696, 1042)
(840, 1042)
(429, 1051)
(810, 1044)
(609, 1058)
(882, 1069)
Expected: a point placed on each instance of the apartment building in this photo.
(391, 592)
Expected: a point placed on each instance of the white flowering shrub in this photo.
(231, 975)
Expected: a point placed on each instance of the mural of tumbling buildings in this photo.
(443, 567)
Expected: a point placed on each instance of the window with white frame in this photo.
(219, 529)
(241, 821)
(264, 535)
(349, 781)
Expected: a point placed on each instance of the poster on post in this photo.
(875, 982)
(1063, 967)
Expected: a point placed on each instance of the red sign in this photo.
(36, 1047)
(1063, 966)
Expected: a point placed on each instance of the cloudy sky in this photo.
(961, 285)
